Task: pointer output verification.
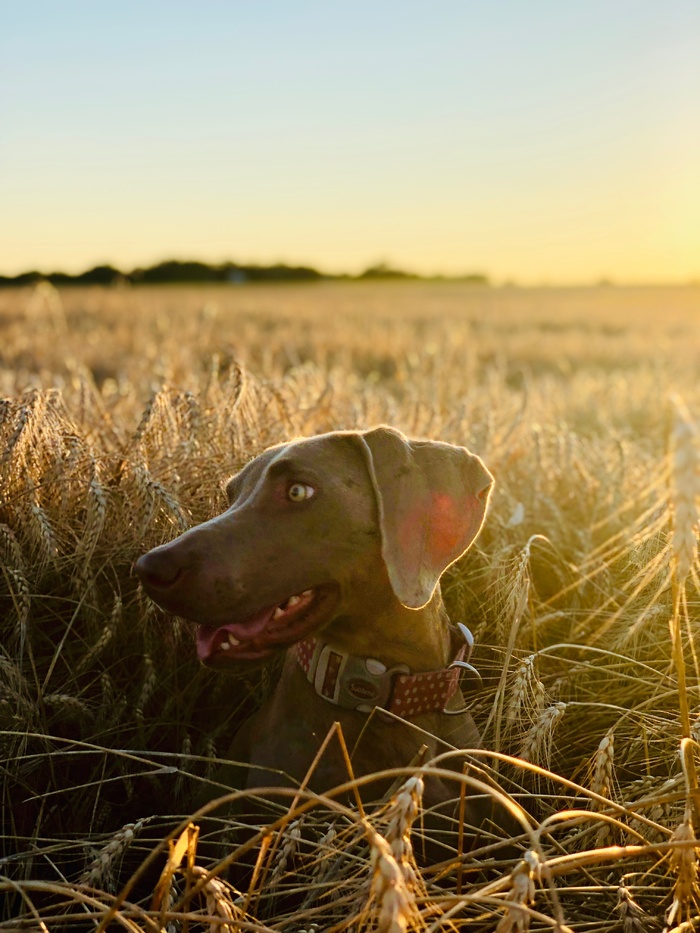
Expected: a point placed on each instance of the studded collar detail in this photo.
(364, 683)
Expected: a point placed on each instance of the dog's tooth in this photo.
(224, 646)
(278, 613)
(307, 593)
(293, 600)
(233, 641)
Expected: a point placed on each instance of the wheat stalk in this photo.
(537, 744)
(327, 859)
(395, 904)
(631, 915)
(528, 692)
(686, 488)
(46, 535)
(6, 407)
(13, 570)
(146, 417)
(209, 751)
(96, 513)
(148, 686)
(14, 447)
(184, 765)
(324, 866)
(685, 491)
(516, 598)
(521, 895)
(100, 871)
(223, 913)
(684, 865)
(194, 421)
(401, 812)
(72, 705)
(286, 852)
(603, 766)
(108, 633)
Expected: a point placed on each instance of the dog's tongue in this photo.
(209, 638)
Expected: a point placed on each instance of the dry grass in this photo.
(123, 412)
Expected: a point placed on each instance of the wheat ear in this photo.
(684, 864)
(633, 918)
(223, 913)
(521, 895)
(287, 851)
(685, 489)
(403, 809)
(603, 765)
(99, 872)
(389, 889)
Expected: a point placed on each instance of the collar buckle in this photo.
(351, 682)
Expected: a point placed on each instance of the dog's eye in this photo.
(297, 492)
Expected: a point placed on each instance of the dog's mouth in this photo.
(269, 630)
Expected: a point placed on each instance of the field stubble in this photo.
(122, 412)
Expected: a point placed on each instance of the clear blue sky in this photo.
(544, 140)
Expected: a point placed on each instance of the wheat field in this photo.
(122, 413)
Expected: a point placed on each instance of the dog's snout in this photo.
(158, 570)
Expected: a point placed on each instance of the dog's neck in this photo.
(388, 631)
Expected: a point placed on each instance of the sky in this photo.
(537, 141)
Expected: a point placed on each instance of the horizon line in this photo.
(264, 273)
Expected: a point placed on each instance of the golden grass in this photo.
(122, 413)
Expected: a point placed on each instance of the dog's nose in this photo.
(158, 570)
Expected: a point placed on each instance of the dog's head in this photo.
(313, 527)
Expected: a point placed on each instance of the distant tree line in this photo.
(201, 272)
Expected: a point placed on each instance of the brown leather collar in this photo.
(363, 683)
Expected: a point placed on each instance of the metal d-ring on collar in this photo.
(475, 676)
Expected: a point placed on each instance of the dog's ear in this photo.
(432, 500)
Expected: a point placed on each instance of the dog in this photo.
(331, 550)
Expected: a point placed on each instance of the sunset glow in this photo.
(544, 142)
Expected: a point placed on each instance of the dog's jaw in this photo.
(269, 630)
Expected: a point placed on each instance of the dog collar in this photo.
(364, 683)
